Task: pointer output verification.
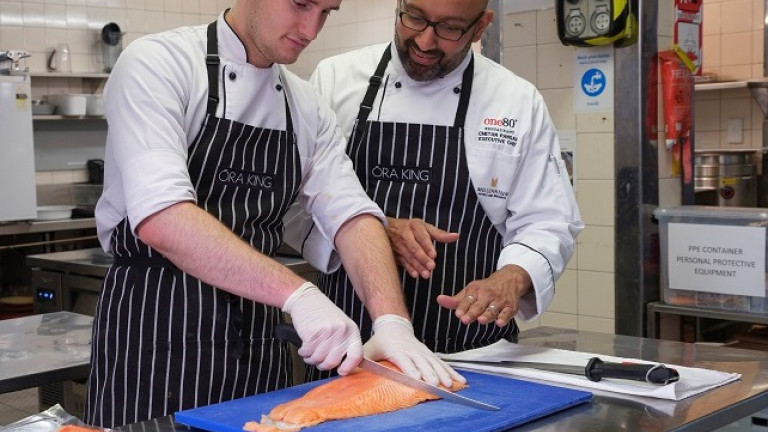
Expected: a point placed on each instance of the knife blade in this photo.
(286, 332)
(595, 370)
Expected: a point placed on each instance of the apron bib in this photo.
(420, 171)
(172, 341)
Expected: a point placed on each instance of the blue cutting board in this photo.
(520, 402)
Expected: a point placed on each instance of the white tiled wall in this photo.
(584, 296)
(38, 26)
(733, 50)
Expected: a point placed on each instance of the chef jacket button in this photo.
(279, 87)
(232, 76)
(398, 84)
(457, 90)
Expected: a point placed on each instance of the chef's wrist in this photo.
(306, 290)
(390, 321)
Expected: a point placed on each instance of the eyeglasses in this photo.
(442, 30)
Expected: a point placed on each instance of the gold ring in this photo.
(471, 297)
(493, 309)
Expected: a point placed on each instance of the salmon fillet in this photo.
(358, 394)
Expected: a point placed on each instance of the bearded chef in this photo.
(462, 157)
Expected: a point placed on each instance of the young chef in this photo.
(462, 156)
(210, 140)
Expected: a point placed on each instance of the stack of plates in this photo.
(16, 307)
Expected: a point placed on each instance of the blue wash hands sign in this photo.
(593, 75)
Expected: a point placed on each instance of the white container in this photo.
(94, 106)
(69, 105)
(54, 212)
(714, 257)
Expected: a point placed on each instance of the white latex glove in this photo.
(393, 340)
(326, 333)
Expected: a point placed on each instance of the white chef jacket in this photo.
(513, 153)
(155, 103)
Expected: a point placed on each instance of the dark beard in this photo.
(419, 72)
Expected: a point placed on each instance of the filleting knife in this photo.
(287, 333)
(595, 370)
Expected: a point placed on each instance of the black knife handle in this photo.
(653, 373)
(285, 332)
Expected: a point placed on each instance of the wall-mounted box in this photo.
(714, 257)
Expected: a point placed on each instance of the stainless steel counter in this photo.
(95, 262)
(611, 412)
(27, 227)
(44, 349)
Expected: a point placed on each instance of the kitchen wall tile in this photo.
(554, 65)
(597, 202)
(758, 43)
(347, 14)
(34, 36)
(209, 7)
(12, 37)
(56, 15)
(11, 14)
(573, 263)
(136, 21)
(560, 106)
(77, 17)
(174, 5)
(757, 139)
(734, 73)
(736, 48)
(710, 54)
(597, 294)
(598, 325)
(712, 19)
(708, 140)
(740, 108)
(670, 191)
(758, 15)
(745, 143)
(596, 249)
(665, 159)
(707, 115)
(44, 177)
(191, 6)
(34, 14)
(523, 326)
(595, 153)
(61, 177)
(735, 15)
(546, 27)
(155, 21)
(172, 20)
(560, 320)
(519, 29)
(594, 122)
(522, 61)
(666, 19)
(566, 293)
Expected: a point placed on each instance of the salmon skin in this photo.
(358, 394)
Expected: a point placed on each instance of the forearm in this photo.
(367, 258)
(200, 245)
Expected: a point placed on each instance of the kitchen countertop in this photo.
(28, 227)
(95, 262)
(612, 412)
(44, 349)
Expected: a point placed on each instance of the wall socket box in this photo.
(735, 131)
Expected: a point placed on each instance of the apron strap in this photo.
(212, 63)
(466, 90)
(373, 87)
(375, 82)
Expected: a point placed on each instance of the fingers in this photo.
(441, 235)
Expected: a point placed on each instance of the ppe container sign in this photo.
(717, 259)
(593, 80)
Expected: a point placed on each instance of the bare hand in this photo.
(495, 298)
(411, 240)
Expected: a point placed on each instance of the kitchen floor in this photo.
(18, 405)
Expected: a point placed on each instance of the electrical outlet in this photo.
(735, 131)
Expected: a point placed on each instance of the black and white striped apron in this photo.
(420, 171)
(165, 341)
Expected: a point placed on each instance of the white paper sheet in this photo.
(692, 380)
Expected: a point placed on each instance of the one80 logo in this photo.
(500, 122)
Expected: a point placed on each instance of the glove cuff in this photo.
(307, 289)
(392, 320)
